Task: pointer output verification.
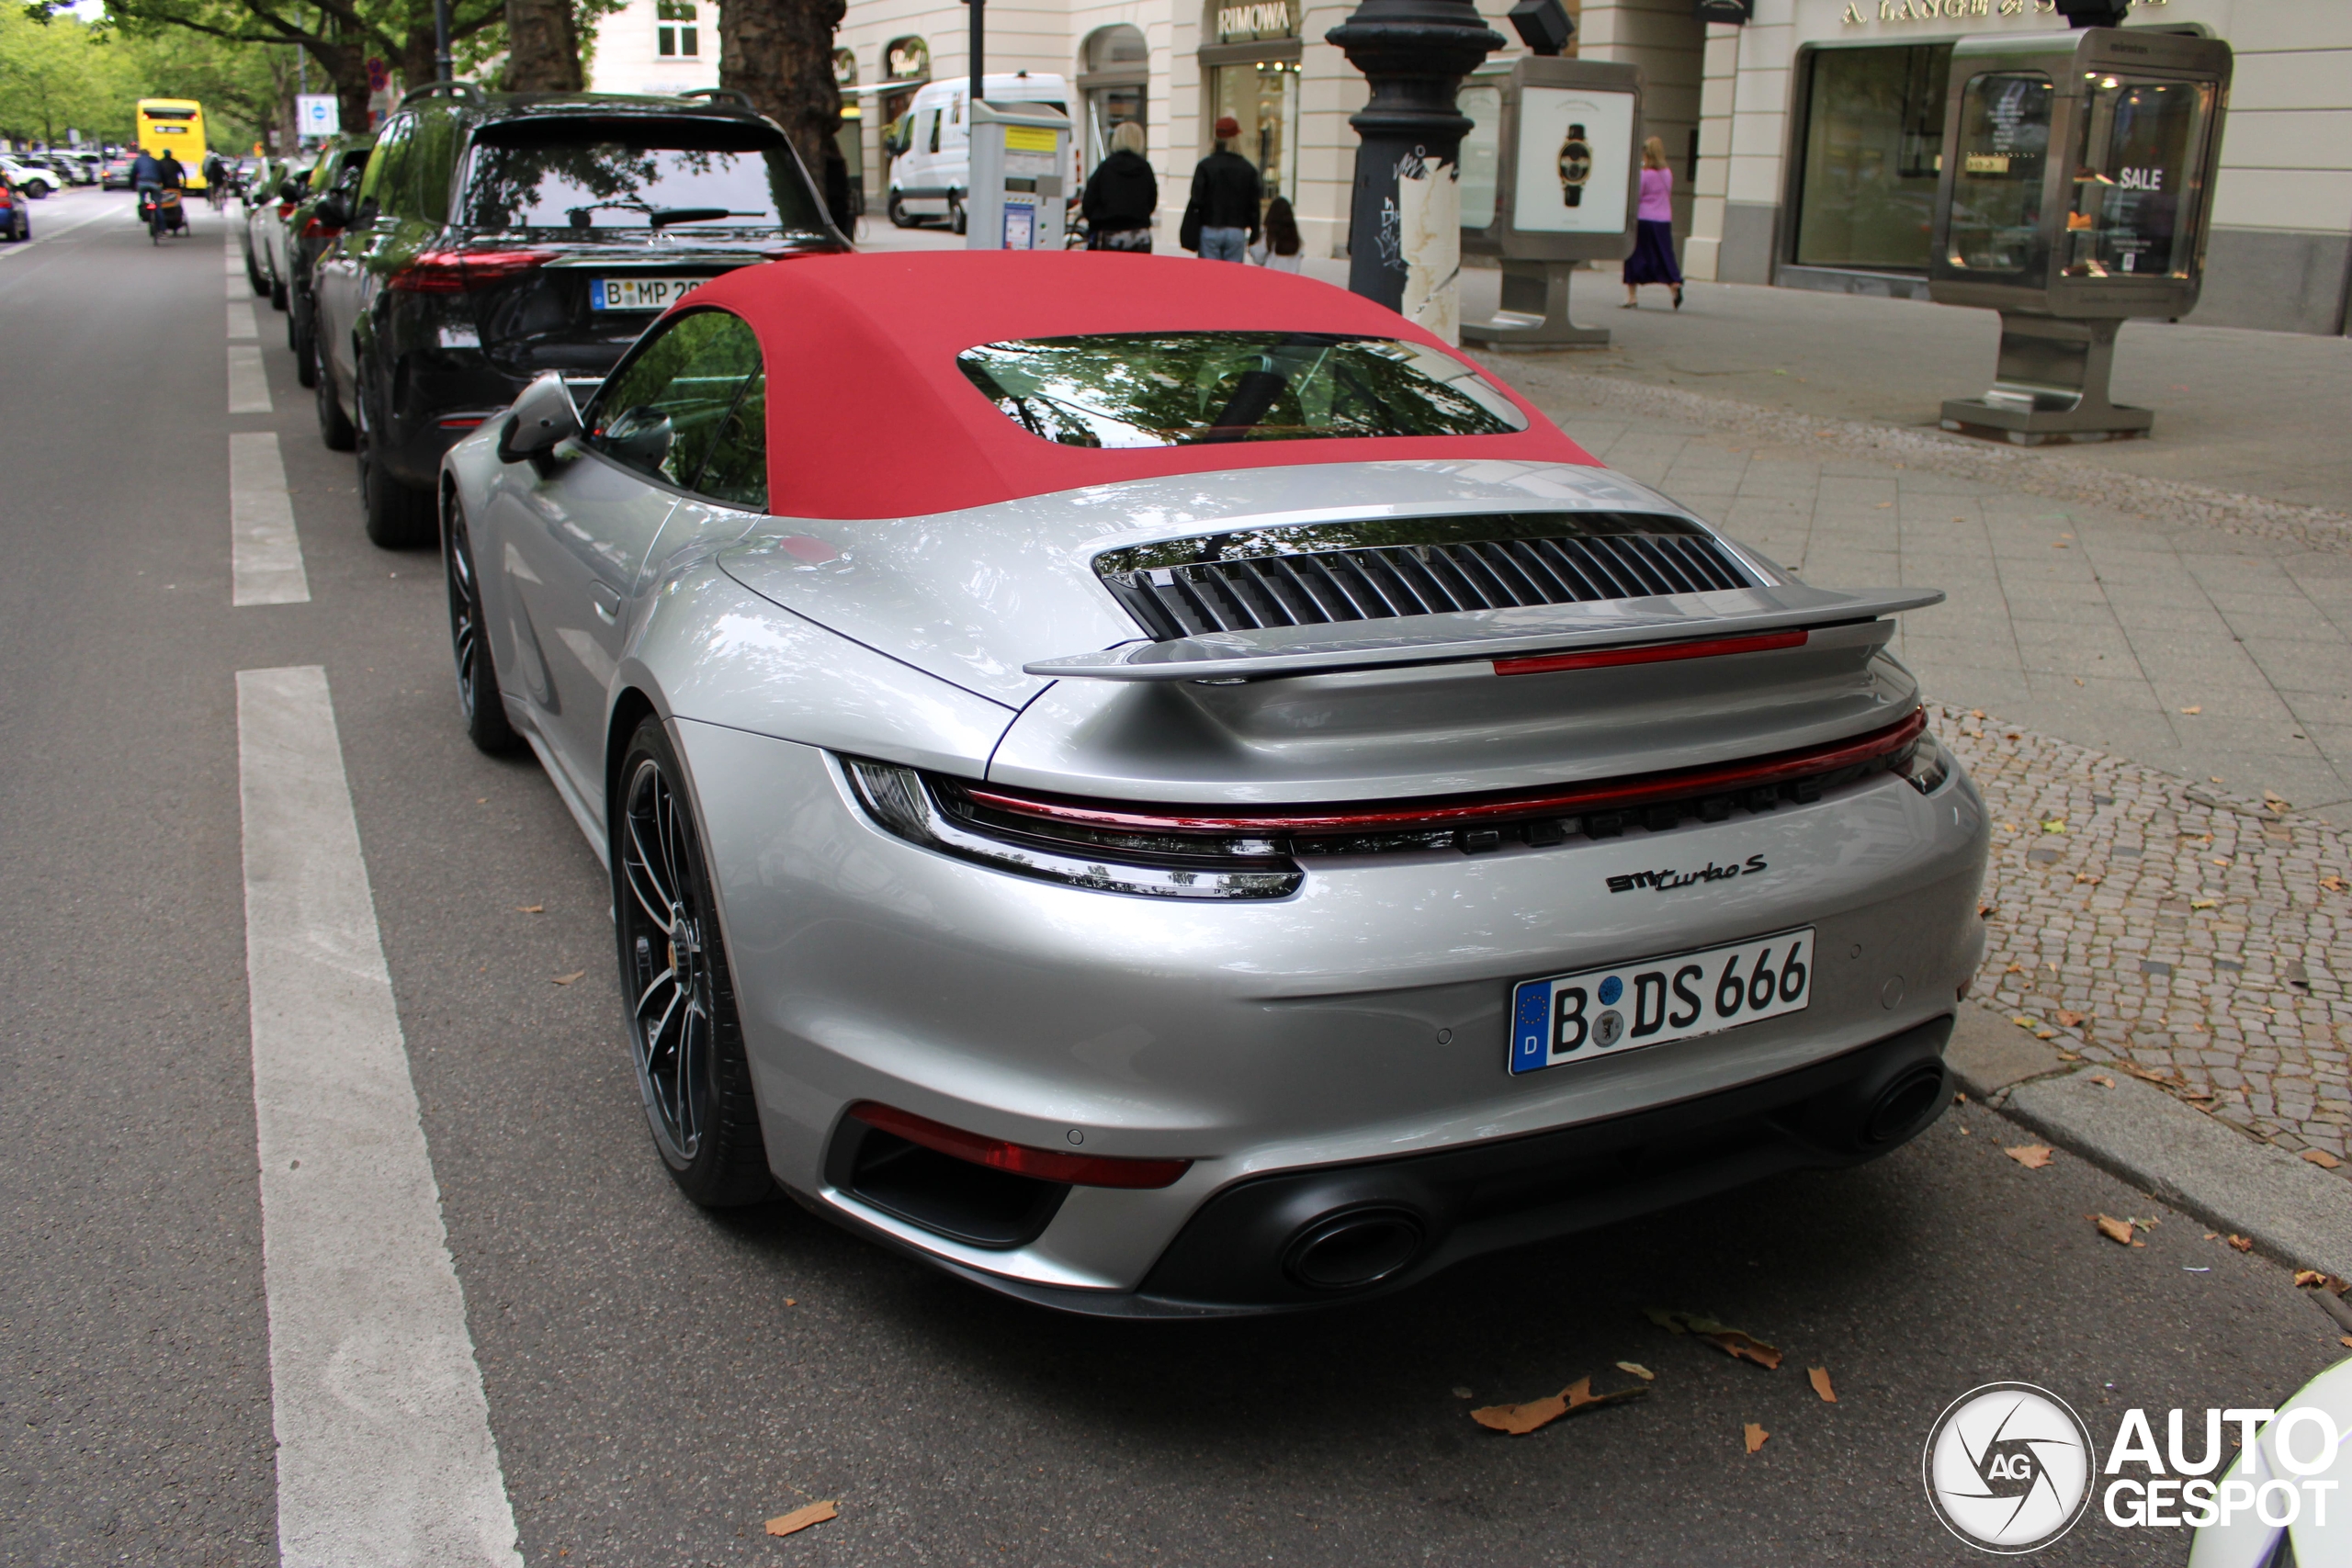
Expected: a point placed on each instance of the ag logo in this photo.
(2008, 1468)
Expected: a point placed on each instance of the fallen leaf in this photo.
(2022, 1021)
(1819, 1378)
(2321, 1158)
(530, 909)
(1756, 1435)
(567, 979)
(791, 1301)
(2054, 825)
(802, 1518)
(2102, 1080)
(2204, 903)
(1520, 1419)
(2243, 1244)
(1976, 713)
(1638, 1370)
(2332, 883)
(2344, 1340)
(2115, 1230)
(1461, 1392)
(2198, 708)
(2033, 1157)
(1736, 1342)
(2093, 878)
(2045, 1034)
(1964, 1131)
(2070, 1019)
(2312, 1278)
(2014, 969)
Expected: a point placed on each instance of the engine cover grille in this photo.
(1381, 569)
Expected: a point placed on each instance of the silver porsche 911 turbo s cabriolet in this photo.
(1161, 789)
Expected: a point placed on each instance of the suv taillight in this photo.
(286, 211)
(314, 230)
(458, 272)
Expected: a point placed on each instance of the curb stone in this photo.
(2292, 1211)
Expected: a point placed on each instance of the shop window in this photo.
(1874, 145)
(906, 59)
(1114, 82)
(1997, 193)
(671, 39)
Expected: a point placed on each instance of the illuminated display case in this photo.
(2076, 192)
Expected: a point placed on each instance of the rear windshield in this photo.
(682, 175)
(1182, 388)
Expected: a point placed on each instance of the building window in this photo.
(1251, 73)
(1115, 71)
(1873, 143)
(674, 41)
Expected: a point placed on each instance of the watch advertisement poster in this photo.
(1575, 160)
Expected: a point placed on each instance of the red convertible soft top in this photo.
(869, 416)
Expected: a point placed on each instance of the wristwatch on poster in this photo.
(1576, 166)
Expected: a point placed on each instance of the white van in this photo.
(930, 146)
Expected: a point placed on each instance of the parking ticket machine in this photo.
(1019, 154)
(2076, 184)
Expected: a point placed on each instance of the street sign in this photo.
(317, 114)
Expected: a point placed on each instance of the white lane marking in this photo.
(241, 320)
(238, 288)
(265, 552)
(385, 1456)
(248, 383)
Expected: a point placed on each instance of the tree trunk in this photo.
(780, 52)
(542, 47)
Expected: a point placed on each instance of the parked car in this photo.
(29, 177)
(497, 237)
(273, 205)
(115, 173)
(1164, 790)
(16, 216)
(318, 216)
(83, 166)
(930, 146)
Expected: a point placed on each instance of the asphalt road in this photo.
(660, 1382)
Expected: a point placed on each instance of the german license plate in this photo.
(639, 293)
(1651, 1001)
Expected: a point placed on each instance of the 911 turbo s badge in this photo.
(1670, 877)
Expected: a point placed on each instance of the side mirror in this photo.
(289, 189)
(544, 415)
(334, 209)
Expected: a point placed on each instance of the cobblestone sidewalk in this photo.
(2195, 940)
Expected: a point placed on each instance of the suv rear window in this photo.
(581, 176)
(1184, 388)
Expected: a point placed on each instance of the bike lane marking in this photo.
(385, 1455)
(248, 383)
(265, 552)
(241, 320)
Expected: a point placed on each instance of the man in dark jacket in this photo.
(1223, 208)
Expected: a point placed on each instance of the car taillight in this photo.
(285, 210)
(314, 230)
(456, 271)
(1019, 1159)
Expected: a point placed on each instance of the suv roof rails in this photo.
(447, 89)
(716, 95)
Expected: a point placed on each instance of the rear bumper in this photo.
(1244, 1250)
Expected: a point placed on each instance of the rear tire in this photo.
(956, 220)
(253, 276)
(686, 1037)
(397, 516)
(477, 697)
(304, 342)
(899, 216)
(276, 292)
(334, 429)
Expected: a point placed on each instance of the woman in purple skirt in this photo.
(1653, 257)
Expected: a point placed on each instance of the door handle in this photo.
(608, 602)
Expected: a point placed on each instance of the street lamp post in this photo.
(1404, 222)
(443, 68)
(979, 36)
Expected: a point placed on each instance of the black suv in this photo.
(321, 200)
(496, 237)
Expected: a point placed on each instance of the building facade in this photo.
(1804, 141)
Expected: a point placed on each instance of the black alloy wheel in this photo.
(477, 697)
(397, 515)
(686, 1038)
(334, 428)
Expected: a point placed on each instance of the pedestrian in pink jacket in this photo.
(1653, 257)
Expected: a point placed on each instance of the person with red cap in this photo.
(1221, 217)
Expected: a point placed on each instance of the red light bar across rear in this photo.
(456, 272)
(1019, 1159)
(1607, 795)
(1648, 653)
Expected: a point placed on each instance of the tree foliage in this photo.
(59, 73)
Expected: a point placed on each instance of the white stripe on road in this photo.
(241, 320)
(385, 1457)
(248, 383)
(265, 552)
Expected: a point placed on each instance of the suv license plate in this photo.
(1606, 1012)
(639, 293)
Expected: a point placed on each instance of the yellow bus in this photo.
(175, 125)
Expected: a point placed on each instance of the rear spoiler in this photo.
(1274, 652)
